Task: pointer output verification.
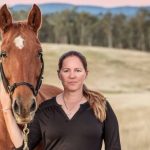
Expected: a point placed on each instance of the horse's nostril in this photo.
(16, 107)
(33, 105)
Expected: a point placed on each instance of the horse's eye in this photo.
(40, 54)
(3, 54)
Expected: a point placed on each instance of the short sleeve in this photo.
(111, 130)
(35, 135)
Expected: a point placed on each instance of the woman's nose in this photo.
(72, 74)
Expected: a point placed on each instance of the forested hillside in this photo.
(107, 30)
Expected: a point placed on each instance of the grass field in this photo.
(123, 76)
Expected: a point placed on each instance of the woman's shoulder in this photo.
(107, 103)
(47, 106)
(110, 114)
(47, 103)
(108, 106)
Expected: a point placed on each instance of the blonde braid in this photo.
(97, 102)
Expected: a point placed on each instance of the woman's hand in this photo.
(4, 98)
(12, 127)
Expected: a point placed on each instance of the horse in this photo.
(22, 66)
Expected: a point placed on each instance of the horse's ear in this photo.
(34, 18)
(5, 18)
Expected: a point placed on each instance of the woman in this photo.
(77, 119)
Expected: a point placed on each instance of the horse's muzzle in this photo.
(24, 112)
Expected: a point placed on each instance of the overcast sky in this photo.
(104, 3)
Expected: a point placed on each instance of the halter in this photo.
(10, 88)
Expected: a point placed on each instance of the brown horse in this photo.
(22, 69)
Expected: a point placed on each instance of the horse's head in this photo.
(21, 62)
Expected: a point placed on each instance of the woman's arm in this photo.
(12, 127)
(111, 130)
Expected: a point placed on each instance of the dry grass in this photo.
(110, 70)
(133, 111)
(123, 77)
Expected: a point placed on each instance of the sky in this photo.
(104, 3)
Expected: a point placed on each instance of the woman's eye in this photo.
(78, 70)
(65, 70)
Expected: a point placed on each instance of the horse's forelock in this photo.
(20, 29)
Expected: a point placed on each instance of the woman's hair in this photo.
(95, 99)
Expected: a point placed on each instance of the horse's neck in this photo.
(46, 92)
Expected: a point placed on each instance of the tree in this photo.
(120, 35)
(107, 25)
(85, 25)
(46, 33)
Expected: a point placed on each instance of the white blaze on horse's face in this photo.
(19, 42)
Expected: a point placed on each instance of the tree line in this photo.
(108, 30)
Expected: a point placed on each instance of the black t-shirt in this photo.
(82, 132)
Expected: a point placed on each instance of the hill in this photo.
(123, 77)
(115, 71)
(94, 10)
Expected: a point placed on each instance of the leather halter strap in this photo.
(10, 88)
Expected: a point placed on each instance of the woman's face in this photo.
(72, 74)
